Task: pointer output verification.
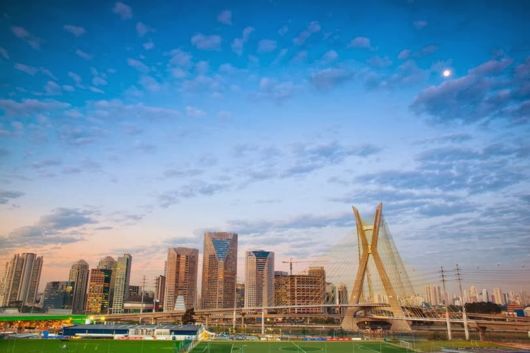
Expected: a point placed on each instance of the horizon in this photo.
(128, 128)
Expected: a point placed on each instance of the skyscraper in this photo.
(300, 290)
(259, 278)
(79, 275)
(160, 289)
(121, 275)
(98, 291)
(181, 277)
(108, 263)
(498, 296)
(21, 280)
(58, 295)
(219, 270)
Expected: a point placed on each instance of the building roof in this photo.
(135, 326)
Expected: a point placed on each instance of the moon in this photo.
(446, 73)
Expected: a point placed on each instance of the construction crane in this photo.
(291, 262)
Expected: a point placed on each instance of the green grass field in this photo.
(113, 346)
(296, 347)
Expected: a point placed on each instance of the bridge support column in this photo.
(482, 333)
(262, 322)
(368, 248)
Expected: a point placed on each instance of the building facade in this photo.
(21, 280)
(259, 278)
(79, 273)
(160, 289)
(219, 270)
(181, 277)
(108, 263)
(301, 290)
(121, 275)
(58, 295)
(98, 291)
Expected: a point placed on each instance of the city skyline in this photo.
(131, 129)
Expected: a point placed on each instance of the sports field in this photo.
(112, 346)
(297, 347)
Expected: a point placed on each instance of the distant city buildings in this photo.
(181, 278)
(433, 295)
(160, 288)
(259, 278)
(219, 270)
(21, 280)
(98, 297)
(79, 273)
(300, 290)
(240, 295)
(121, 275)
(58, 295)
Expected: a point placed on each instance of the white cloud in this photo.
(3, 53)
(142, 29)
(404, 54)
(420, 24)
(225, 17)
(266, 46)
(150, 84)
(52, 88)
(75, 77)
(239, 43)
(30, 106)
(26, 36)
(283, 30)
(149, 45)
(75, 30)
(83, 54)
(99, 81)
(180, 58)
(360, 42)
(330, 55)
(30, 70)
(138, 65)
(313, 27)
(194, 112)
(122, 10)
(206, 42)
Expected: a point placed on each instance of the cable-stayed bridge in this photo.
(380, 289)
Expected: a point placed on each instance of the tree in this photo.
(483, 308)
(187, 317)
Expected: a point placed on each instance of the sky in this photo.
(135, 126)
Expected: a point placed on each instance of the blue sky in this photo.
(134, 126)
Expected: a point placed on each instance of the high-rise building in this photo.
(433, 294)
(135, 293)
(330, 297)
(498, 296)
(281, 288)
(58, 295)
(98, 291)
(300, 290)
(181, 277)
(259, 278)
(219, 270)
(21, 280)
(342, 293)
(472, 295)
(240, 295)
(108, 263)
(484, 296)
(79, 276)
(160, 289)
(121, 275)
